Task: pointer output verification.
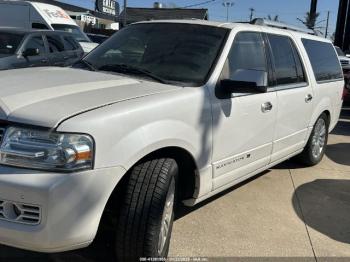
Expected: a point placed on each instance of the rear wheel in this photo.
(317, 143)
(146, 215)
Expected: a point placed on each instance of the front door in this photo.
(32, 42)
(243, 124)
(56, 49)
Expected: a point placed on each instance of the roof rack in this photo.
(265, 22)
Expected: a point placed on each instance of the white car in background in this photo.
(344, 60)
(31, 15)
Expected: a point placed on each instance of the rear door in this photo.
(294, 96)
(73, 51)
(33, 41)
(56, 49)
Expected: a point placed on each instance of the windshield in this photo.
(9, 43)
(74, 30)
(182, 53)
(339, 51)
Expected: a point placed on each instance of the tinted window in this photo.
(324, 60)
(180, 53)
(247, 52)
(283, 55)
(36, 42)
(98, 38)
(70, 43)
(39, 26)
(55, 43)
(9, 43)
(73, 29)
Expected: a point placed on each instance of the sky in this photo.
(287, 10)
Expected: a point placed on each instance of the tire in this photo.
(149, 193)
(310, 155)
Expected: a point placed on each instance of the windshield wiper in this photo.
(123, 68)
(85, 63)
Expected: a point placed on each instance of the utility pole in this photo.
(251, 13)
(125, 14)
(313, 12)
(227, 4)
(327, 24)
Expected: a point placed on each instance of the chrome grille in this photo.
(2, 132)
(344, 62)
(20, 213)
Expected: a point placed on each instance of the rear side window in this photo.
(55, 43)
(70, 43)
(287, 63)
(324, 60)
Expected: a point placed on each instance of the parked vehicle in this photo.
(19, 49)
(345, 63)
(344, 60)
(31, 15)
(150, 119)
(97, 38)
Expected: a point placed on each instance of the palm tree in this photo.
(275, 18)
(310, 20)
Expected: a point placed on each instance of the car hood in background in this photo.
(46, 96)
(88, 46)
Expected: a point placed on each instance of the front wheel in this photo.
(317, 143)
(146, 216)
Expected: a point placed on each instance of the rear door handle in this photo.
(44, 61)
(266, 107)
(308, 98)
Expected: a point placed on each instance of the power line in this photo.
(198, 4)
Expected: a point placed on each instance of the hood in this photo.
(5, 55)
(46, 96)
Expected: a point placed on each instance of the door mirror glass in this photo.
(31, 52)
(246, 81)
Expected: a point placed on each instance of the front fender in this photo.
(126, 132)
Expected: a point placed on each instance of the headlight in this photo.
(46, 150)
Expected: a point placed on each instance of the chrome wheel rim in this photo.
(319, 138)
(166, 217)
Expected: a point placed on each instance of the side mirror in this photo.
(246, 81)
(31, 52)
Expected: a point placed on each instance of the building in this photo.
(100, 20)
(134, 14)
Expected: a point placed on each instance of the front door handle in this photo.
(266, 107)
(308, 98)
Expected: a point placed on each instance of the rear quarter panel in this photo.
(327, 95)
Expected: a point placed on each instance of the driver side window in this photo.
(245, 71)
(36, 42)
(247, 53)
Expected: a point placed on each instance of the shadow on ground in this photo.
(100, 250)
(325, 207)
(339, 153)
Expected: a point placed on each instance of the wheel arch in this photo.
(186, 183)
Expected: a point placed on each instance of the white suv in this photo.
(163, 111)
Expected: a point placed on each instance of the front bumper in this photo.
(71, 206)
